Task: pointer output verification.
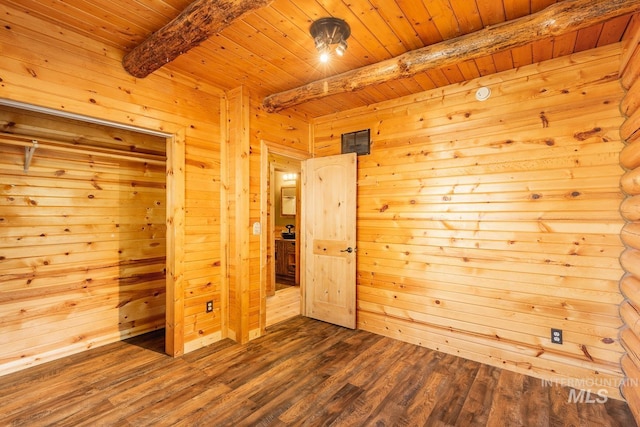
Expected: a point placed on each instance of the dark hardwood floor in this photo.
(303, 372)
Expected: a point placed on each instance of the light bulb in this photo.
(341, 48)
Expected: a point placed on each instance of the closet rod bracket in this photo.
(28, 154)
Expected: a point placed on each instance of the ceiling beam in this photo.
(199, 21)
(559, 18)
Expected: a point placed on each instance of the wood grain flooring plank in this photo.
(535, 402)
(368, 409)
(476, 407)
(562, 412)
(506, 408)
(451, 401)
(327, 412)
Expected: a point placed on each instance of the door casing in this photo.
(267, 148)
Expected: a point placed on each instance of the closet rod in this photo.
(30, 143)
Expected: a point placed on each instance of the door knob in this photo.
(349, 250)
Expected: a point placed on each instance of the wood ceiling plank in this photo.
(138, 15)
(491, 12)
(542, 50)
(386, 91)
(522, 56)
(226, 60)
(168, 9)
(588, 38)
(514, 9)
(469, 70)
(564, 44)
(396, 19)
(503, 60)
(438, 77)
(453, 74)
(467, 15)
(420, 20)
(399, 88)
(613, 30)
(538, 5)
(485, 65)
(104, 16)
(377, 93)
(425, 81)
(266, 49)
(368, 97)
(205, 62)
(371, 18)
(360, 33)
(282, 26)
(66, 16)
(444, 19)
(410, 85)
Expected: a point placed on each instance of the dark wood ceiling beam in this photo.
(555, 20)
(199, 21)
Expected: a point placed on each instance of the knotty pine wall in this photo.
(83, 237)
(482, 225)
(630, 183)
(50, 67)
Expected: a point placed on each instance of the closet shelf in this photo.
(30, 145)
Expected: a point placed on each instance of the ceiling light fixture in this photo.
(327, 32)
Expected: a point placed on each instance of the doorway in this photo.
(280, 248)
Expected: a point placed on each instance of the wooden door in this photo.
(329, 238)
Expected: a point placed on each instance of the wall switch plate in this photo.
(257, 228)
(556, 336)
(209, 306)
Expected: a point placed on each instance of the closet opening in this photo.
(82, 233)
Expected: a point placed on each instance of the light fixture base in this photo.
(330, 31)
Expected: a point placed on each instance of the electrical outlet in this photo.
(556, 336)
(209, 306)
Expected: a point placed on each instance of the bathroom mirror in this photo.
(288, 201)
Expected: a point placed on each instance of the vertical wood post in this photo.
(238, 147)
(174, 340)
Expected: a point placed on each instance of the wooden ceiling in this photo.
(271, 51)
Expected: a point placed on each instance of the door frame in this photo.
(267, 148)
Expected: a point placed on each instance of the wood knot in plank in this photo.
(586, 352)
(545, 121)
(582, 136)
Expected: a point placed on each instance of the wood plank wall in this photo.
(630, 183)
(482, 225)
(51, 67)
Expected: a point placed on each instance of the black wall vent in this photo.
(356, 142)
